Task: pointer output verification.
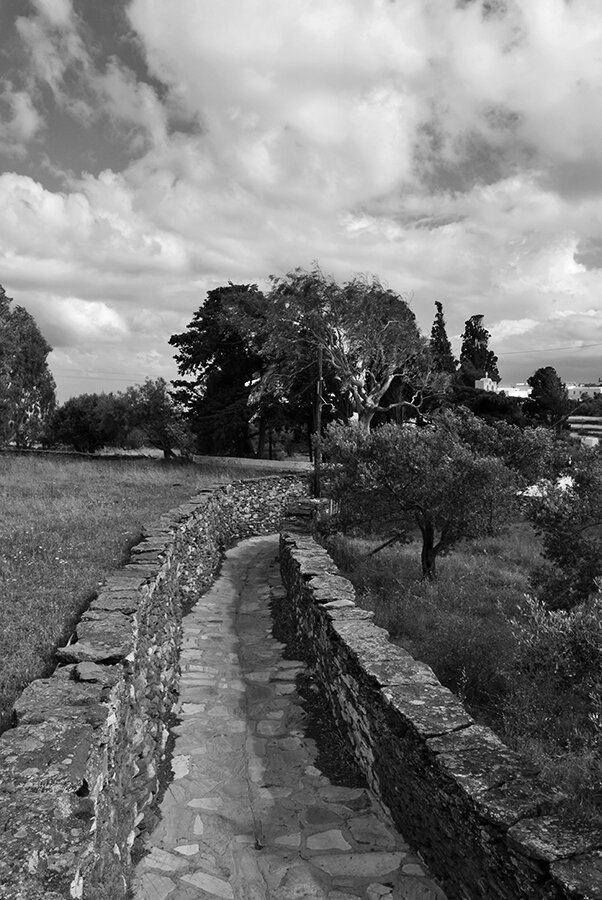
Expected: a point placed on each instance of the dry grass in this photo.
(64, 525)
(461, 626)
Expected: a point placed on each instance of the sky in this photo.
(151, 151)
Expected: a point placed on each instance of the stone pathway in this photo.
(248, 815)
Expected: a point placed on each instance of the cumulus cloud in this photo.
(451, 148)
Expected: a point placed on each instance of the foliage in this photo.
(592, 406)
(89, 422)
(548, 403)
(367, 333)
(218, 355)
(151, 410)
(27, 389)
(530, 452)
(569, 519)
(557, 668)
(440, 346)
(424, 477)
(533, 675)
(476, 359)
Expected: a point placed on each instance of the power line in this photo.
(546, 349)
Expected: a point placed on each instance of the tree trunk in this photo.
(318, 447)
(262, 434)
(429, 553)
(364, 420)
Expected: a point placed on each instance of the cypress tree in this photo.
(443, 358)
(476, 359)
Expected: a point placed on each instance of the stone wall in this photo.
(79, 772)
(483, 820)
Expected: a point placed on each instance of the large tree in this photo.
(27, 389)
(403, 478)
(440, 346)
(365, 332)
(219, 360)
(476, 359)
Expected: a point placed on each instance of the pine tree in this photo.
(476, 359)
(441, 351)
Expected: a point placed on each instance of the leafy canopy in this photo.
(420, 477)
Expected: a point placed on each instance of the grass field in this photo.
(65, 523)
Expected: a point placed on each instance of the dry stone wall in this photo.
(481, 817)
(79, 772)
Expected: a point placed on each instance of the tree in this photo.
(531, 453)
(27, 389)
(151, 410)
(548, 402)
(476, 359)
(569, 519)
(419, 477)
(367, 333)
(441, 351)
(89, 422)
(219, 358)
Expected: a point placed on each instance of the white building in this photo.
(577, 391)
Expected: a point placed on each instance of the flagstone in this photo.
(211, 884)
(249, 815)
(365, 865)
(327, 840)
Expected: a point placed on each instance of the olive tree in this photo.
(407, 478)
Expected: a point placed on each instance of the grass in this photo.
(459, 624)
(64, 525)
(465, 627)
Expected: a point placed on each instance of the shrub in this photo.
(569, 520)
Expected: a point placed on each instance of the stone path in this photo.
(248, 815)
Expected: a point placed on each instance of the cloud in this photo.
(58, 13)
(22, 123)
(451, 150)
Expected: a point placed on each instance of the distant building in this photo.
(486, 384)
(579, 391)
(522, 389)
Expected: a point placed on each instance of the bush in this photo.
(553, 707)
(570, 523)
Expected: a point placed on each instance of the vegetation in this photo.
(548, 403)
(143, 415)
(569, 519)
(219, 361)
(64, 524)
(27, 389)
(534, 676)
(530, 664)
(476, 359)
(440, 346)
(366, 333)
(428, 478)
